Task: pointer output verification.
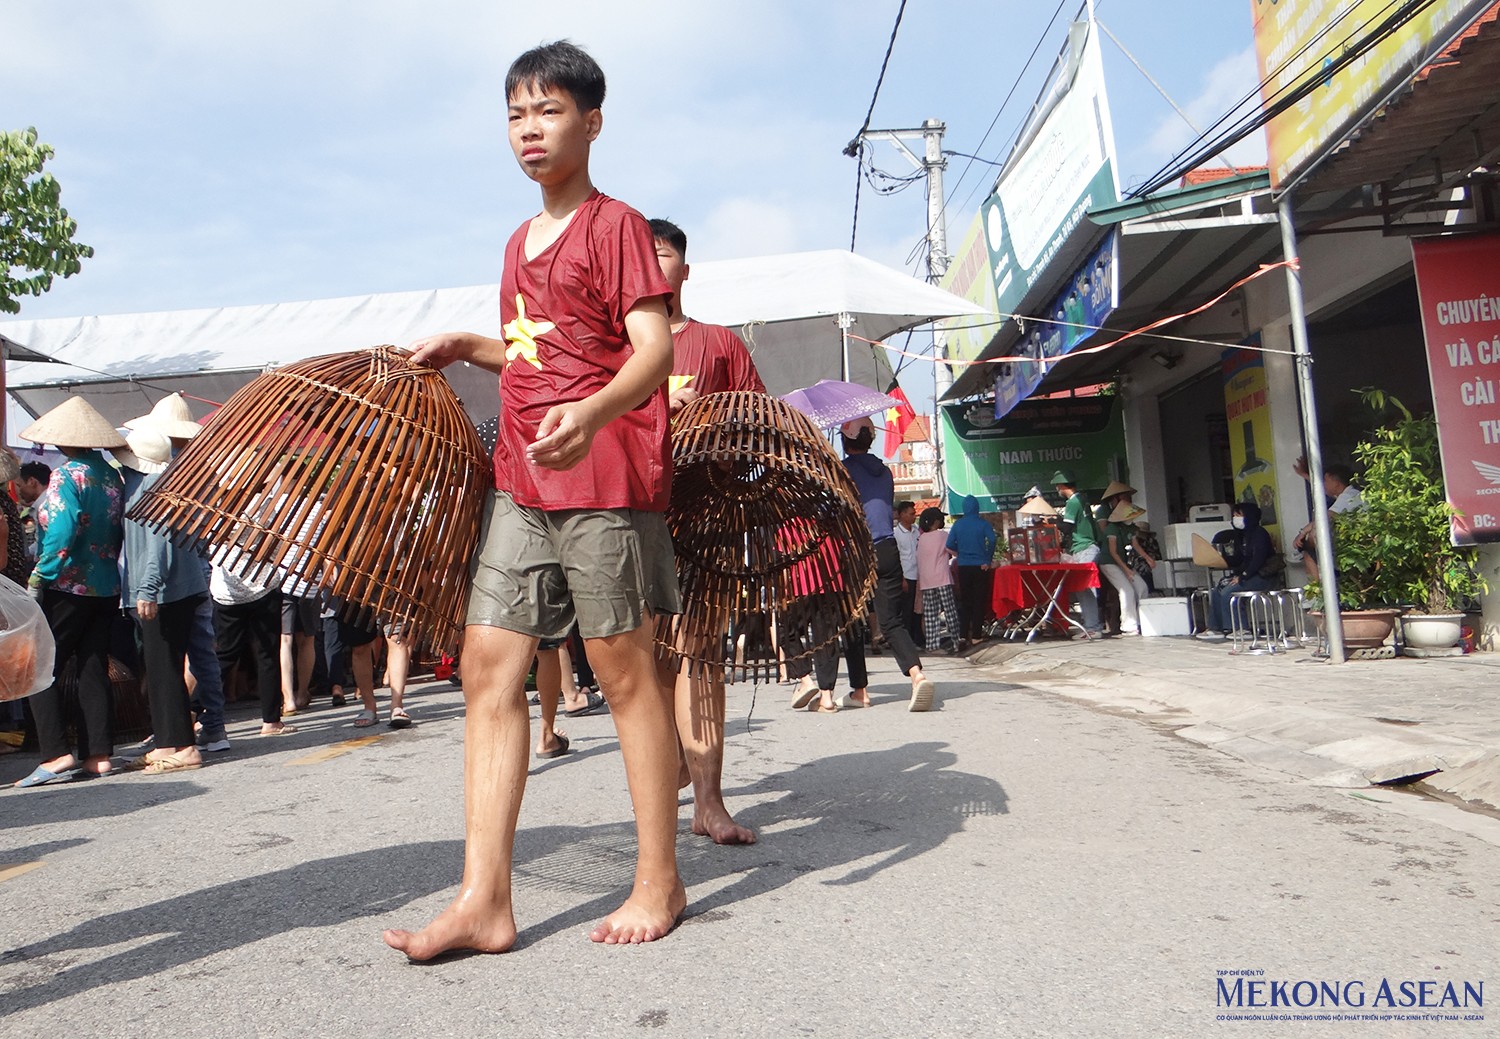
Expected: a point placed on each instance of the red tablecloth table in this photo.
(1042, 590)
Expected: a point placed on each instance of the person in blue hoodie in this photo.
(973, 541)
(1255, 553)
(877, 492)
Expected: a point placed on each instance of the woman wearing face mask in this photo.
(1255, 553)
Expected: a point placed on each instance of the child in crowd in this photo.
(935, 581)
(575, 526)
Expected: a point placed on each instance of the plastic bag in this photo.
(27, 652)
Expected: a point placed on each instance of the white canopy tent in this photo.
(788, 308)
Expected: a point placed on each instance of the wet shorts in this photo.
(537, 571)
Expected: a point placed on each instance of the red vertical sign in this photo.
(1458, 282)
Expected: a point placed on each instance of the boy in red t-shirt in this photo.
(708, 359)
(575, 527)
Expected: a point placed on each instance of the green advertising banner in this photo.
(999, 461)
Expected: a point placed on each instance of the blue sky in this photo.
(222, 154)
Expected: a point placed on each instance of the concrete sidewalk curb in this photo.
(1325, 747)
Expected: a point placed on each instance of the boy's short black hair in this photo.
(666, 231)
(1340, 472)
(560, 65)
(902, 506)
(38, 471)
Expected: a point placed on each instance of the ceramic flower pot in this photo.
(1364, 629)
(1432, 630)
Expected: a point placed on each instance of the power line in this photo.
(855, 148)
(1042, 38)
(1286, 97)
(870, 112)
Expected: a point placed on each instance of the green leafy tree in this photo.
(36, 233)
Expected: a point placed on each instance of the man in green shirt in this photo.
(1081, 543)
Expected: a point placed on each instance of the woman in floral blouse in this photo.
(77, 581)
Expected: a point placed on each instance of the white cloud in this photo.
(1227, 83)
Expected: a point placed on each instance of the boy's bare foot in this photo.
(648, 914)
(716, 823)
(457, 929)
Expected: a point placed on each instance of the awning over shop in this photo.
(1441, 133)
(1178, 249)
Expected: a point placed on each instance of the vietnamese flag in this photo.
(897, 420)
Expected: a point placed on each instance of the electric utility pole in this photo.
(932, 163)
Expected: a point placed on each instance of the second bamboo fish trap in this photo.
(769, 535)
(355, 473)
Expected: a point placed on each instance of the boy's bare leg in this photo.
(497, 729)
(699, 703)
(642, 711)
(548, 681)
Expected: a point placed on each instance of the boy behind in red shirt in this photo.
(709, 359)
(575, 527)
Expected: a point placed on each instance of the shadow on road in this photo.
(202, 923)
(843, 819)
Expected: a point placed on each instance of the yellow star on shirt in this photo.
(521, 334)
(677, 382)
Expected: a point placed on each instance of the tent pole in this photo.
(845, 320)
(1327, 576)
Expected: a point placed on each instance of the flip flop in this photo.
(170, 763)
(921, 695)
(364, 719)
(41, 777)
(593, 702)
(804, 697)
(400, 719)
(557, 751)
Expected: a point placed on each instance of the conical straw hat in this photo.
(73, 423)
(1204, 554)
(171, 416)
(1037, 507)
(1116, 487)
(149, 451)
(10, 466)
(1126, 513)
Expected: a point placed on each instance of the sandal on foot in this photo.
(399, 718)
(280, 730)
(339, 700)
(592, 702)
(921, 695)
(171, 763)
(824, 708)
(364, 719)
(557, 751)
(804, 697)
(42, 777)
(848, 700)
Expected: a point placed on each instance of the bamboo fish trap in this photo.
(769, 535)
(355, 473)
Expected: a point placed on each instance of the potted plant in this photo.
(1396, 553)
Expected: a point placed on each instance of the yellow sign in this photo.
(1297, 41)
(1251, 456)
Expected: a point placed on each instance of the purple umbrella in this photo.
(832, 403)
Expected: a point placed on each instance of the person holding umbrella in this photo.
(877, 492)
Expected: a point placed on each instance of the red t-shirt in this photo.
(711, 359)
(563, 314)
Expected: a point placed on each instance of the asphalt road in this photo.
(1011, 864)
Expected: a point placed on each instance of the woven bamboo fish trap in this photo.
(762, 513)
(356, 473)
